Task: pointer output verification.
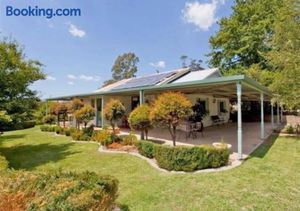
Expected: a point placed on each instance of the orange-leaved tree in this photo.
(169, 109)
(139, 119)
(114, 110)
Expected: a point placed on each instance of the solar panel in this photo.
(144, 81)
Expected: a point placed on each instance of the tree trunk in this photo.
(113, 126)
(142, 135)
(146, 132)
(174, 136)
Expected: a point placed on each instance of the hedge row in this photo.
(19, 125)
(20, 190)
(184, 158)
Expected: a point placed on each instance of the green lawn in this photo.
(270, 179)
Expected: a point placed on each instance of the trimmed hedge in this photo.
(145, 148)
(183, 158)
(21, 190)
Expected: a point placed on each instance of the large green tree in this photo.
(285, 55)
(16, 75)
(242, 40)
(124, 67)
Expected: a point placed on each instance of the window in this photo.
(135, 101)
(222, 108)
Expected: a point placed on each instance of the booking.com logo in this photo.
(42, 12)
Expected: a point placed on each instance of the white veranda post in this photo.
(102, 111)
(239, 120)
(272, 116)
(142, 97)
(262, 123)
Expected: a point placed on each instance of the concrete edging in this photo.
(152, 163)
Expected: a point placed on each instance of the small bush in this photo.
(103, 137)
(57, 191)
(29, 124)
(183, 158)
(145, 148)
(3, 163)
(130, 139)
(76, 135)
(49, 119)
(89, 130)
(289, 129)
(67, 132)
(58, 130)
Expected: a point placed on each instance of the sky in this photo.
(78, 52)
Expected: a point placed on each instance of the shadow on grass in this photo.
(5, 137)
(30, 156)
(264, 148)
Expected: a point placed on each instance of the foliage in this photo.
(194, 63)
(3, 163)
(242, 38)
(124, 67)
(198, 113)
(49, 119)
(289, 129)
(48, 128)
(76, 105)
(285, 55)
(145, 148)
(139, 119)
(169, 109)
(79, 135)
(85, 114)
(16, 75)
(103, 137)
(89, 130)
(183, 158)
(130, 139)
(114, 110)
(60, 109)
(4, 119)
(57, 191)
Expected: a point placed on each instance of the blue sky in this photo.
(78, 52)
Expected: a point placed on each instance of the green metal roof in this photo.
(211, 81)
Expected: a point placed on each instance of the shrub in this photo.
(28, 124)
(58, 130)
(49, 119)
(67, 132)
(130, 139)
(89, 130)
(85, 114)
(145, 148)
(183, 158)
(139, 119)
(103, 137)
(57, 191)
(3, 163)
(76, 135)
(289, 129)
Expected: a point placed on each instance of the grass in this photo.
(268, 180)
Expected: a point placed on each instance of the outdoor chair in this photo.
(216, 120)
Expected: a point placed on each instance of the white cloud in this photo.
(84, 77)
(72, 77)
(159, 64)
(71, 83)
(75, 31)
(50, 78)
(203, 15)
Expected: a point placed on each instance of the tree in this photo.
(169, 109)
(60, 110)
(76, 105)
(183, 59)
(285, 55)
(198, 112)
(139, 119)
(85, 114)
(124, 67)
(49, 119)
(114, 110)
(16, 75)
(4, 120)
(243, 37)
